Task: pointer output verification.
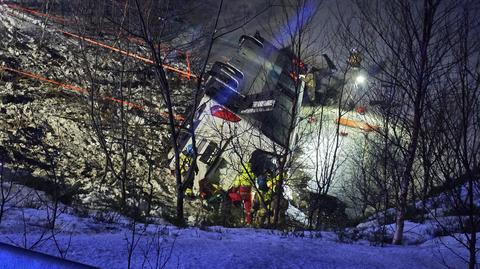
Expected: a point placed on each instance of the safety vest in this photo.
(185, 163)
(272, 187)
(245, 178)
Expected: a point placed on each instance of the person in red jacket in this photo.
(242, 191)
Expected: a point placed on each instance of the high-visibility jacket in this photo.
(272, 187)
(185, 163)
(242, 191)
(245, 178)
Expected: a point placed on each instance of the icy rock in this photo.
(9, 86)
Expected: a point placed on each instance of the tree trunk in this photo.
(472, 248)
(400, 218)
(180, 200)
(403, 199)
(2, 208)
(278, 198)
(407, 175)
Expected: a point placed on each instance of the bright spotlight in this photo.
(360, 79)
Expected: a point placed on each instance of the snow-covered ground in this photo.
(102, 239)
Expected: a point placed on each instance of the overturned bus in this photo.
(249, 103)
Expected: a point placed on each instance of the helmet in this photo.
(190, 150)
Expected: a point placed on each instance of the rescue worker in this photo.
(264, 207)
(206, 188)
(261, 208)
(262, 200)
(210, 193)
(186, 160)
(242, 191)
(354, 59)
(272, 196)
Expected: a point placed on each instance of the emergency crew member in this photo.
(186, 160)
(242, 191)
(263, 211)
(263, 198)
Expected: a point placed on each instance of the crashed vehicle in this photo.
(247, 106)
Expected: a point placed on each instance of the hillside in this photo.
(378, 167)
(102, 239)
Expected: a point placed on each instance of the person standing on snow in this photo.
(186, 160)
(242, 191)
(262, 200)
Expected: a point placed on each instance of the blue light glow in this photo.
(297, 22)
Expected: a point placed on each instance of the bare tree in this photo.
(151, 38)
(457, 112)
(156, 34)
(296, 33)
(407, 40)
(8, 191)
(325, 139)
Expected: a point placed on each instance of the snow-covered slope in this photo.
(41, 121)
(102, 239)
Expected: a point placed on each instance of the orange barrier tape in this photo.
(37, 77)
(175, 116)
(164, 50)
(83, 91)
(126, 53)
(37, 13)
(91, 41)
(187, 56)
(130, 104)
(187, 73)
(68, 87)
(357, 124)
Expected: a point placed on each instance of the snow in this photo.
(247, 248)
(92, 241)
(101, 238)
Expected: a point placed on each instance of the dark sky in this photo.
(234, 10)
